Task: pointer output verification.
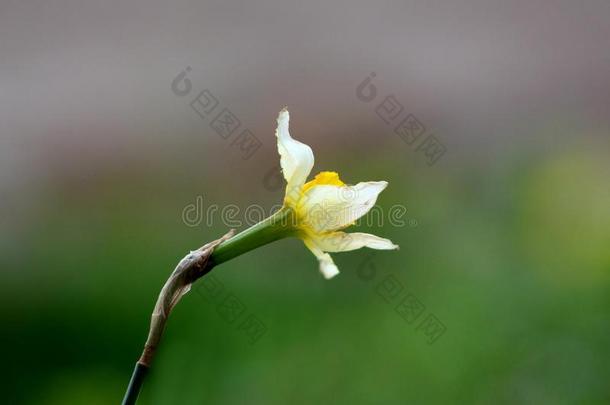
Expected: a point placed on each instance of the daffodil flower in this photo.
(314, 211)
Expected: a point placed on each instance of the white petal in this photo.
(328, 207)
(296, 158)
(344, 242)
(328, 268)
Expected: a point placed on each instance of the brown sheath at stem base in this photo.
(192, 267)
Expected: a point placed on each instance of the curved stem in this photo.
(195, 265)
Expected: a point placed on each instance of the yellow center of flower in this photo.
(323, 178)
(307, 216)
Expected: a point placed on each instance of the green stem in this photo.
(277, 226)
(137, 378)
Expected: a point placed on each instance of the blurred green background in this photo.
(505, 239)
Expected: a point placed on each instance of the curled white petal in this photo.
(344, 242)
(296, 158)
(328, 207)
(328, 268)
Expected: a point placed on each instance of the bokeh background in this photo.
(505, 240)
